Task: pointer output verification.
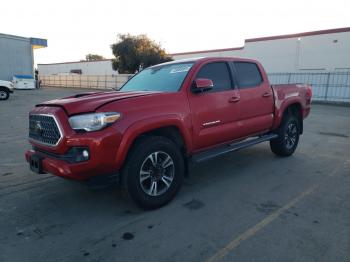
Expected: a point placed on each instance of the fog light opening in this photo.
(85, 154)
(80, 154)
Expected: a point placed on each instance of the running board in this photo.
(203, 156)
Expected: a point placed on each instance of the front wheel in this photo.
(4, 94)
(288, 136)
(153, 172)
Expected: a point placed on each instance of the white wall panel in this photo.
(323, 52)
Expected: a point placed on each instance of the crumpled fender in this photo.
(282, 101)
(149, 124)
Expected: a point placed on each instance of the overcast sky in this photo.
(76, 28)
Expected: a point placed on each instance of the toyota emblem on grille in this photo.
(38, 129)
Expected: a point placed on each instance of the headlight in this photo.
(93, 122)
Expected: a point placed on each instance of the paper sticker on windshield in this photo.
(179, 69)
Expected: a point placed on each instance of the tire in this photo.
(4, 94)
(154, 172)
(288, 136)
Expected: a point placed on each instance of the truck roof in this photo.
(204, 59)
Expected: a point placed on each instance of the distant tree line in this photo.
(93, 57)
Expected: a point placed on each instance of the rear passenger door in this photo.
(256, 98)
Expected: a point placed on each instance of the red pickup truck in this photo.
(164, 118)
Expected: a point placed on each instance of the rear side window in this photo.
(218, 73)
(248, 74)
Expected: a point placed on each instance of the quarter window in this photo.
(219, 73)
(248, 74)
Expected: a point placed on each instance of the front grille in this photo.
(44, 129)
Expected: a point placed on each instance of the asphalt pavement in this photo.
(249, 205)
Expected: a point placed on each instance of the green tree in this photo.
(135, 52)
(93, 57)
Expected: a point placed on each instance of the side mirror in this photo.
(202, 84)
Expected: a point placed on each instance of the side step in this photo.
(203, 156)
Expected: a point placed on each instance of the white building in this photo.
(101, 67)
(320, 58)
(317, 51)
(325, 50)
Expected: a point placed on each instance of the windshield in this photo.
(164, 78)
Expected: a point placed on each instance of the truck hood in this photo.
(91, 101)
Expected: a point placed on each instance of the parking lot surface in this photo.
(246, 206)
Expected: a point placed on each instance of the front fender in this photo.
(147, 125)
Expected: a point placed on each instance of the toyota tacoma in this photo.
(162, 119)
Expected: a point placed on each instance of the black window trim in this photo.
(229, 70)
(235, 73)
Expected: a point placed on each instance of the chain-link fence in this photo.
(330, 87)
(85, 81)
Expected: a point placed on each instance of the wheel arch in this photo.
(294, 108)
(5, 88)
(171, 128)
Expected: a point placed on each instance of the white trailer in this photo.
(24, 82)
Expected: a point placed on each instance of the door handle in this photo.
(234, 99)
(266, 94)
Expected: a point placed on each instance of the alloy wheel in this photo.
(291, 134)
(157, 173)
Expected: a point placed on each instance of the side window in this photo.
(248, 74)
(218, 72)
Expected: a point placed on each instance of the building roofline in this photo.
(75, 62)
(15, 37)
(209, 51)
(250, 40)
(34, 42)
(311, 33)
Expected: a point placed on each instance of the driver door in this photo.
(215, 113)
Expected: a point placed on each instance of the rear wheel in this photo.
(4, 94)
(288, 136)
(153, 172)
